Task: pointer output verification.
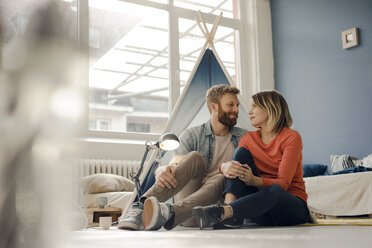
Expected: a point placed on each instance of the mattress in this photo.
(114, 199)
(340, 195)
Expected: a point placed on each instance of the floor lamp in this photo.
(167, 142)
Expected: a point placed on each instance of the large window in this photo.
(228, 7)
(132, 78)
(141, 54)
(128, 65)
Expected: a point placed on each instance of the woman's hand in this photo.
(248, 177)
(234, 169)
(165, 177)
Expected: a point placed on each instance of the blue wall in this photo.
(328, 89)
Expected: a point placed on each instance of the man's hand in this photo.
(234, 169)
(165, 177)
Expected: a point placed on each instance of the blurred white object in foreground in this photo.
(38, 106)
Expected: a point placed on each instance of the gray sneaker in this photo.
(155, 214)
(133, 219)
(208, 216)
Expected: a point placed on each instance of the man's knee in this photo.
(195, 155)
(192, 164)
(216, 184)
(197, 159)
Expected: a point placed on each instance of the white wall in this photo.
(110, 149)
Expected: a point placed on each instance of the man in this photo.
(193, 173)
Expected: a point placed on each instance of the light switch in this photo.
(350, 38)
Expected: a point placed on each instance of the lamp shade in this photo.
(169, 141)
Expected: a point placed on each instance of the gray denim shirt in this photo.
(201, 139)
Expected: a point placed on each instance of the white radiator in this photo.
(125, 168)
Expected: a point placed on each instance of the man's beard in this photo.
(223, 117)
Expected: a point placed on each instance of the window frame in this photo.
(174, 79)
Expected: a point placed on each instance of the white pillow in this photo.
(341, 162)
(101, 183)
(367, 161)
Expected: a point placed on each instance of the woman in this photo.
(264, 178)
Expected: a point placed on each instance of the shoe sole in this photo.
(128, 226)
(198, 214)
(151, 206)
(221, 225)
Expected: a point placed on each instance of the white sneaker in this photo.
(133, 219)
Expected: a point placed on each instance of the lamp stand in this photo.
(138, 174)
(166, 142)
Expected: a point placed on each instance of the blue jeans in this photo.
(269, 206)
(149, 179)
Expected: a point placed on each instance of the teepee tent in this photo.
(207, 72)
(188, 111)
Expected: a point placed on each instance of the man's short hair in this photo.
(215, 93)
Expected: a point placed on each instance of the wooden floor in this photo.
(253, 237)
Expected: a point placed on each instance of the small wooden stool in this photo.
(94, 214)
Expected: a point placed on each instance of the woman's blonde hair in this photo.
(277, 109)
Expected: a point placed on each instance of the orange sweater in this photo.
(280, 161)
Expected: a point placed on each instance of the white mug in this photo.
(105, 222)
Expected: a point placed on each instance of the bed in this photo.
(117, 199)
(109, 178)
(340, 195)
